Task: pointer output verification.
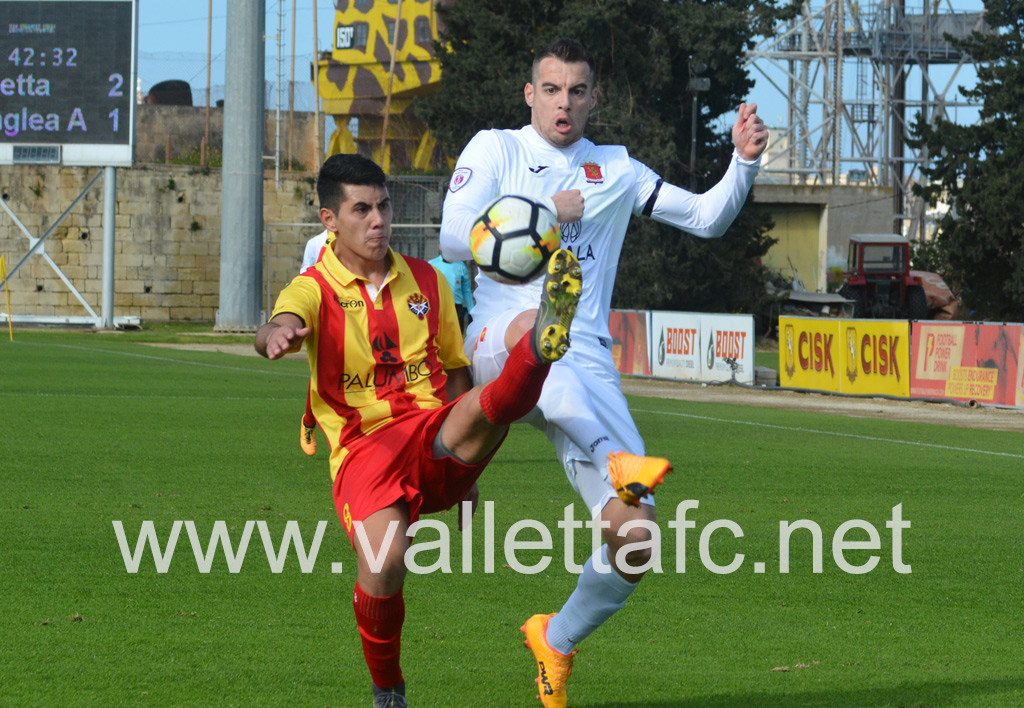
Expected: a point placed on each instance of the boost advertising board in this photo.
(698, 347)
(675, 338)
(727, 345)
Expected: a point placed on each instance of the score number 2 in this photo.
(115, 92)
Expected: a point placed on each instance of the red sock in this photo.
(516, 390)
(380, 622)
(308, 420)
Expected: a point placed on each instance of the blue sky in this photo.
(173, 38)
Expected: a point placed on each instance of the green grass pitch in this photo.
(101, 428)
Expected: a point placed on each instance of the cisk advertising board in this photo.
(698, 347)
(845, 356)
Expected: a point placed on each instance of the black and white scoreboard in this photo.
(67, 83)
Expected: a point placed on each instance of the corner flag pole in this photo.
(7, 292)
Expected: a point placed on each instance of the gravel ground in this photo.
(987, 417)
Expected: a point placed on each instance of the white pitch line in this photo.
(828, 432)
(170, 359)
(127, 396)
(638, 410)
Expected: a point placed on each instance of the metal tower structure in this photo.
(847, 69)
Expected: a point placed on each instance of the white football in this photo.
(513, 238)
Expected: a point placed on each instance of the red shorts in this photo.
(395, 463)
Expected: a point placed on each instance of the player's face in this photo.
(363, 225)
(560, 99)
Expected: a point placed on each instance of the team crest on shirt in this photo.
(592, 171)
(346, 517)
(418, 305)
(459, 178)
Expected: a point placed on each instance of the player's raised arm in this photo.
(283, 334)
(749, 133)
(710, 214)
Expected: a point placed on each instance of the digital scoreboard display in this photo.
(67, 81)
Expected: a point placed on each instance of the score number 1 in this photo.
(115, 92)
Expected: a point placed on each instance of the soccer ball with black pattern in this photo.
(513, 238)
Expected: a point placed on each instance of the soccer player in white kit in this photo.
(594, 189)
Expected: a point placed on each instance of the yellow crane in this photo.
(362, 78)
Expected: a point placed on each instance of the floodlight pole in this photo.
(695, 86)
(109, 215)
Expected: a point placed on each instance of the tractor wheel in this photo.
(917, 303)
(855, 293)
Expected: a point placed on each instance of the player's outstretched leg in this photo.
(516, 390)
(553, 667)
(563, 286)
(634, 476)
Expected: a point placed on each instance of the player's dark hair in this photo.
(339, 170)
(568, 51)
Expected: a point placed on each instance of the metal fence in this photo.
(417, 219)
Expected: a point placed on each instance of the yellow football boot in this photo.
(553, 667)
(634, 476)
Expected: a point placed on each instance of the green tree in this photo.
(644, 51)
(979, 169)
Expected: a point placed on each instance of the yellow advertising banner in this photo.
(876, 357)
(809, 353)
(866, 357)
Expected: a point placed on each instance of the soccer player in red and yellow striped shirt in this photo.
(391, 390)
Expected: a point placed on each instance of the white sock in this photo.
(597, 597)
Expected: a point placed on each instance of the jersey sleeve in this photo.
(301, 297)
(474, 183)
(707, 215)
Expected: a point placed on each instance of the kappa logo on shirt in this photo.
(460, 178)
(592, 171)
(418, 305)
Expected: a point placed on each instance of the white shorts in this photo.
(568, 405)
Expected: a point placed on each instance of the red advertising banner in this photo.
(968, 362)
(629, 341)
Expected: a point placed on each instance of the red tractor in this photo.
(878, 279)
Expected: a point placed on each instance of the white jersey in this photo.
(312, 251)
(614, 187)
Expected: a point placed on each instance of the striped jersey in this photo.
(373, 355)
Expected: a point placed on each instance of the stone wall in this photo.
(167, 237)
(182, 128)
